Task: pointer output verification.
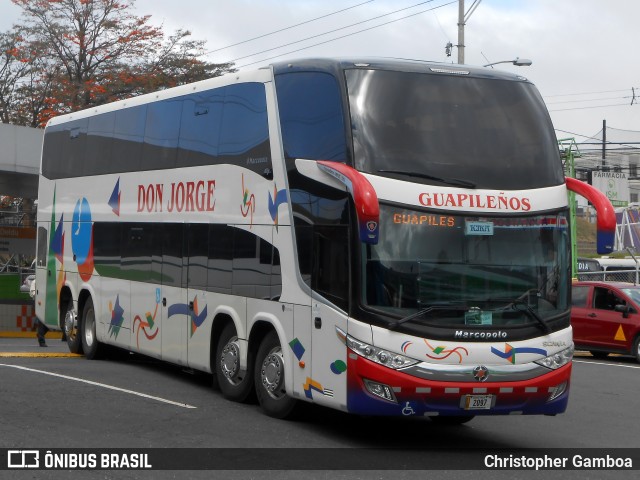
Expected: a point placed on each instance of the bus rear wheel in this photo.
(235, 383)
(70, 326)
(90, 344)
(269, 379)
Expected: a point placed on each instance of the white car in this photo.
(29, 285)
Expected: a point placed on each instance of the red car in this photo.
(605, 317)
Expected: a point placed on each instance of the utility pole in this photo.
(604, 143)
(462, 20)
(460, 31)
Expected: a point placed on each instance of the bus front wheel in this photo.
(235, 383)
(269, 379)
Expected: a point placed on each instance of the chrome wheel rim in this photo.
(272, 374)
(230, 361)
(70, 325)
(89, 328)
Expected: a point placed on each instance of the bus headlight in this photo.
(379, 355)
(557, 360)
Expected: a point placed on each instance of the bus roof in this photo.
(331, 65)
(396, 64)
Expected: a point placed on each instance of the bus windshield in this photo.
(467, 270)
(452, 127)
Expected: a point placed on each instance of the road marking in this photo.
(608, 364)
(38, 355)
(103, 385)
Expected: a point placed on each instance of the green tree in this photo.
(89, 52)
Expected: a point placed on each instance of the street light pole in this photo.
(519, 62)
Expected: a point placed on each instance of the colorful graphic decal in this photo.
(114, 200)
(406, 345)
(82, 239)
(297, 348)
(620, 337)
(197, 317)
(248, 203)
(56, 253)
(117, 318)
(338, 367)
(311, 384)
(279, 197)
(510, 352)
(441, 352)
(148, 326)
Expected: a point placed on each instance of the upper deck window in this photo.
(311, 116)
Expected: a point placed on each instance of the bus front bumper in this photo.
(373, 389)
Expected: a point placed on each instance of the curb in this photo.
(50, 334)
(38, 355)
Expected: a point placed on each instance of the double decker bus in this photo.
(383, 237)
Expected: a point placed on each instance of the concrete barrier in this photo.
(19, 320)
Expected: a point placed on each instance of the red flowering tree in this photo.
(80, 53)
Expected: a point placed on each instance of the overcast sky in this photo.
(584, 52)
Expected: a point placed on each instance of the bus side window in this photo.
(107, 248)
(75, 149)
(304, 245)
(198, 254)
(172, 253)
(311, 116)
(161, 135)
(220, 258)
(330, 275)
(137, 248)
(200, 128)
(100, 144)
(128, 137)
(244, 133)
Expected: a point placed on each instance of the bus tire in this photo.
(234, 383)
(451, 420)
(269, 379)
(70, 326)
(90, 344)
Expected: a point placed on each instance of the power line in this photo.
(587, 93)
(287, 28)
(595, 106)
(342, 36)
(586, 100)
(335, 30)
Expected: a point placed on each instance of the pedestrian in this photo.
(41, 331)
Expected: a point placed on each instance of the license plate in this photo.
(478, 402)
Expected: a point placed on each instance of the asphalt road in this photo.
(50, 399)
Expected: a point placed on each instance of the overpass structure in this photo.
(20, 149)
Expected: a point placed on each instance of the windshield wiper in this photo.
(449, 181)
(514, 303)
(424, 311)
